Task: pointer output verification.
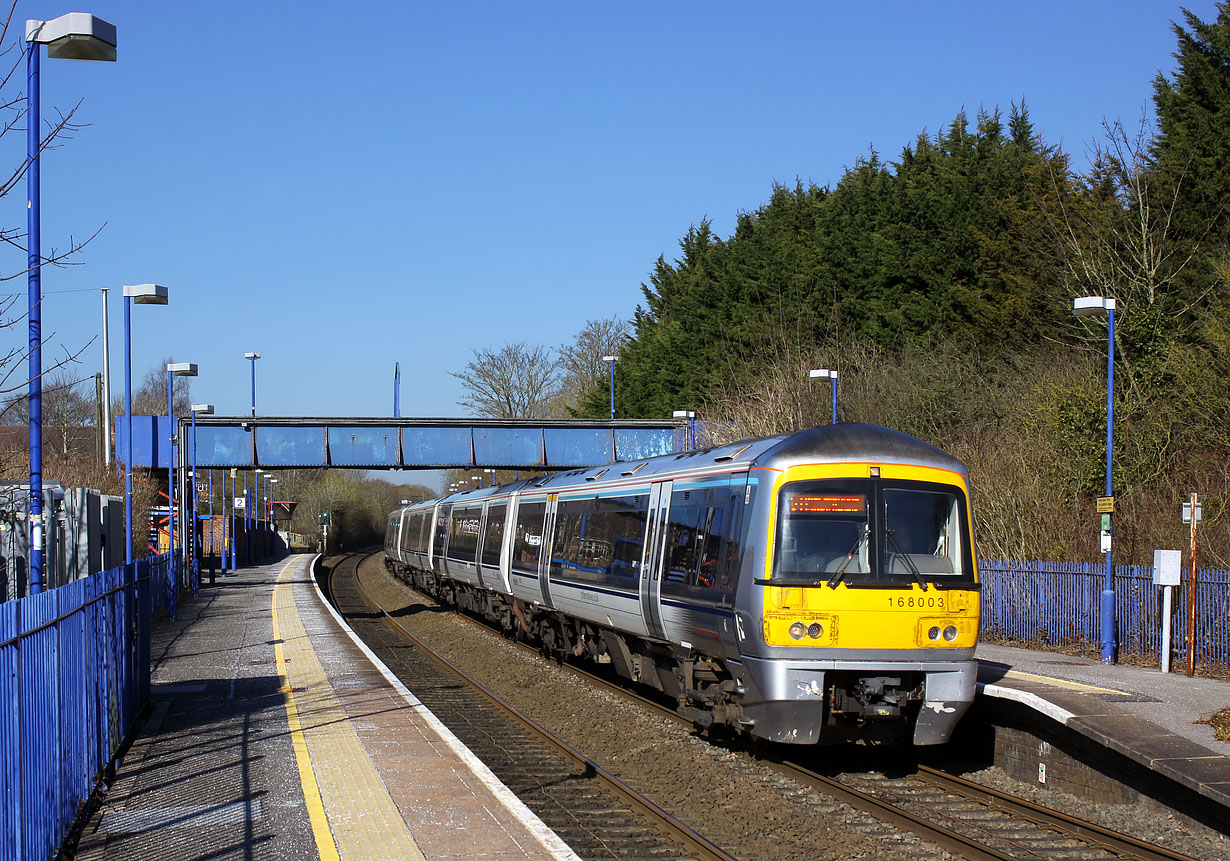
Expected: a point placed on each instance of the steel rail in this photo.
(683, 833)
(1088, 832)
(1063, 824)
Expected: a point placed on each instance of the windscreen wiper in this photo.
(909, 563)
(845, 563)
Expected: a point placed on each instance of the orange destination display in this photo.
(807, 504)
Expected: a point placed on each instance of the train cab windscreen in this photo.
(869, 532)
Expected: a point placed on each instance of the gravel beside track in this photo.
(725, 794)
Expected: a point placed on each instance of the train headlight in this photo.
(950, 633)
(797, 630)
(934, 633)
(815, 630)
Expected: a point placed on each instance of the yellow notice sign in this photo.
(1106, 505)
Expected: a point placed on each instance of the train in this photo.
(816, 587)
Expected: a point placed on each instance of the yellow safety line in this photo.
(363, 819)
(1063, 683)
(326, 847)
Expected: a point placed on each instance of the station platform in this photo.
(1146, 716)
(274, 733)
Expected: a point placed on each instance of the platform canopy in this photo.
(433, 443)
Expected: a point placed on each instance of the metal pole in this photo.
(195, 556)
(397, 390)
(247, 512)
(33, 279)
(612, 390)
(212, 548)
(128, 429)
(253, 360)
(833, 377)
(1108, 589)
(1191, 598)
(171, 475)
(106, 377)
(234, 539)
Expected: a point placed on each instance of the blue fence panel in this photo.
(221, 447)
(578, 446)
(11, 847)
(436, 446)
(639, 443)
(362, 446)
(290, 446)
(1059, 603)
(510, 447)
(74, 673)
(39, 692)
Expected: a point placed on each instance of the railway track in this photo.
(965, 818)
(590, 809)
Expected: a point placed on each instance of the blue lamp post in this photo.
(141, 294)
(252, 357)
(1096, 306)
(205, 410)
(273, 531)
(75, 36)
(826, 374)
(612, 360)
(234, 540)
(174, 369)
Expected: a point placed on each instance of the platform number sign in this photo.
(241, 502)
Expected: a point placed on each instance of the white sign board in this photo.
(1166, 567)
(240, 502)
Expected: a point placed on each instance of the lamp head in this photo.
(1087, 306)
(821, 374)
(251, 355)
(146, 294)
(203, 409)
(181, 369)
(75, 36)
(610, 358)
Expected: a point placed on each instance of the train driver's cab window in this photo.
(822, 532)
(922, 533)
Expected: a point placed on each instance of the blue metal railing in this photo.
(1057, 603)
(74, 675)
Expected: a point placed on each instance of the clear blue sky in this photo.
(343, 186)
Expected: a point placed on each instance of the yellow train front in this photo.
(863, 594)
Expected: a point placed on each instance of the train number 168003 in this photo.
(919, 602)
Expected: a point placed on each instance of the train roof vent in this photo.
(635, 469)
(733, 454)
(597, 475)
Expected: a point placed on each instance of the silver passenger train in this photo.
(813, 587)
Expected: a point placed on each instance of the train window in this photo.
(681, 541)
(730, 562)
(463, 534)
(441, 532)
(922, 533)
(709, 549)
(599, 539)
(527, 539)
(494, 537)
(823, 529)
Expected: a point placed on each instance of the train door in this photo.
(478, 546)
(439, 539)
(651, 561)
(547, 547)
